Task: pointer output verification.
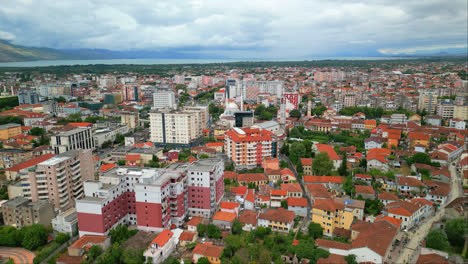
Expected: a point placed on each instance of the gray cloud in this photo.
(244, 28)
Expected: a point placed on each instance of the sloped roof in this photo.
(162, 238)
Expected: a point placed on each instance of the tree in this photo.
(203, 260)
(236, 227)
(201, 229)
(299, 149)
(437, 239)
(35, 236)
(259, 110)
(204, 156)
(171, 260)
(283, 164)
(94, 252)
(419, 157)
(133, 256)
(351, 259)
(363, 163)
(343, 169)
(213, 231)
(348, 185)
(285, 149)
(456, 231)
(299, 167)
(121, 162)
(295, 113)
(62, 238)
(284, 204)
(36, 131)
(322, 165)
(315, 230)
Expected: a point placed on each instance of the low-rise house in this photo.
(409, 213)
(418, 138)
(377, 159)
(363, 177)
(299, 206)
(307, 166)
(317, 191)
(437, 192)
(187, 237)
(442, 175)
(406, 185)
(433, 120)
(20, 212)
(274, 175)
(330, 214)
(317, 148)
(239, 193)
(373, 142)
(86, 241)
(224, 220)
(371, 242)
(276, 197)
(356, 205)
(162, 246)
(387, 198)
(249, 200)
(230, 207)
(231, 175)
(428, 206)
(367, 192)
(193, 223)
(248, 219)
(293, 189)
(66, 222)
(257, 178)
(457, 123)
(287, 175)
(330, 182)
(277, 219)
(207, 250)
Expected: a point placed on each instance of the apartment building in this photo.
(129, 118)
(331, 214)
(153, 199)
(248, 147)
(428, 100)
(163, 99)
(9, 130)
(461, 112)
(72, 138)
(11, 157)
(131, 92)
(178, 128)
(28, 97)
(108, 134)
(446, 109)
(59, 179)
(66, 222)
(205, 186)
(20, 212)
(280, 220)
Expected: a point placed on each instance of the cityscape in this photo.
(251, 132)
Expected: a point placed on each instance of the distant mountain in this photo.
(11, 53)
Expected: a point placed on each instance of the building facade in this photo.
(28, 97)
(20, 212)
(164, 99)
(75, 138)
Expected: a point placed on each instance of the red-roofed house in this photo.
(387, 198)
(187, 237)
(367, 192)
(218, 146)
(277, 196)
(132, 160)
(330, 182)
(224, 220)
(418, 138)
(230, 207)
(307, 166)
(106, 167)
(209, 251)
(13, 172)
(86, 241)
(193, 223)
(277, 219)
(293, 189)
(257, 178)
(249, 219)
(299, 206)
(409, 213)
(377, 158)
(330, 151)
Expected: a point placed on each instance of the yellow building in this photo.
(9, 130)
(331, 215)
(277, 219)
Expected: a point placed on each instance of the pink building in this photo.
(292, 100)
(205, 186)
(152, 199)
(131, 92)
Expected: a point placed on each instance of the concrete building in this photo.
(331, 214)
(164, 99)
(59, 179)
(205, 186)
(428, 100)
(129, 118)
(66, 222)
(108, 134)
(20, 212)
(152, 199)
(131, 92)
(9, 130)
(71, 139)
(249, 147)
(28, 97)
(280, 220)
(461, 112)
(446, 109)
(11, 157)
(177, 128)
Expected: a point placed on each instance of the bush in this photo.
(62, 238)
(45, 252)
(437, 239)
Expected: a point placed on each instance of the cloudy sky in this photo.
(241, 28)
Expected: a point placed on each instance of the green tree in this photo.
(171, 260)
(283, 164)
(36, 131)
(259, 110)
(94, 252)
(420, 157)
(133, 256)
(236, 227)
(315, 230)
(62, 238)
(284, 204)
(213, 231)
(299, 149)
(437, 239)
(456, 230)
(351, 259)
(121, 162)
(322, 165)
(201, 229)
(285, 149)
(204, 156)
(295, 113)
(203, 260)
(343, 169)
(299, 167)
(34, 236)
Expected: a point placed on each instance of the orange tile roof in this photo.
(195, 221)
(162, 238)
(364, 189)
(31, 162)
(302, 202)
(387, 196)
(230, 175)
(240, 190)
(306, 162)
(252, 177)
(328, 149)
(88, 239)
(332, 259)
(81, 124)
(187, 236)
(249, 217)
(132, 157)
(106, 167)
(291, 187)
(229, 205)
(224, 216)
(323, 179)
(215, 144)
(418, 135)
(209, 250)
(278, 193)
(279, 215)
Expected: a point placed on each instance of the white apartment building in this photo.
(74, 138)
(102, 135)
(446, 109)
(428, 100)
(164, 99)
(66, 222)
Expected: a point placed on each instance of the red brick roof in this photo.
(187, 236)
(208, 250)
(418, 136)
(291, 187)
(317, 190)
(323, 179)
(408, 181)
(248, 217)
(132, 157)
(278, 193)
(195, 221)
(332, 244)
(224, 216)
(279, 215)
(395, 221)
(332, 259)
(252, 177)
(302, 202)
(364, 189)
(88, 239)
(106, 167)
(228, 205)
(162, 238)
(431, 259)
(328, 149)
(387, 196)
(31, 162)
(327, 205)
(306, 162)
(230, 175)
(402, 208)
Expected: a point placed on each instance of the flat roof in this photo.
(203, 165)
(53, 161)
(5, 126)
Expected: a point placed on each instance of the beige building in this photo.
(11, 157)
(72, 138)
(183, 128)
(129, 118)
(59, 179)
(461, 112)
(446, 109)
(428, 100)
(21, 212)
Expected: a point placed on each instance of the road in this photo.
(409, 253)
(19, 255)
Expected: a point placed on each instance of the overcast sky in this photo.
(241, 28)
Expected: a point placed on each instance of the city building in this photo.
(66, 222)
(28, 97)
(20, 212)
(72, 138)
(152, 199)
(129, 118)
(11, 157)
(461, 112)
(108, 134)
(446, 109)
(19, 169)
(164, 99)
(9, 130)
(131, 92)
(280, 220)
(331, 214)
(207, 250)
(59, 179)
(178, 128)
(249, 147)
(427, 100)
(205, 186)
